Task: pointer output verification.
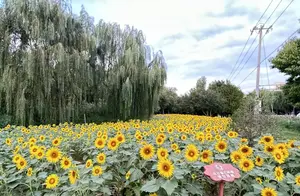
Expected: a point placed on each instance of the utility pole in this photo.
(260, 29)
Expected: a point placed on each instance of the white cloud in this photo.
(159, 19)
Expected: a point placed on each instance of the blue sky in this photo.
(202, 38)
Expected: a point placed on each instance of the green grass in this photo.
(287, 128)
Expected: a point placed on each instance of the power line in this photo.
(271, 26)
(282, 12)
(255, 38)
(270, 54)
(248, 40)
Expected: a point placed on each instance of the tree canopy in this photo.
(220, 98)
(288, 61)
(54, 63)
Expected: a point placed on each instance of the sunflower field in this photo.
(163, 156)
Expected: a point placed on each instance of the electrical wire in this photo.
(270, 54)
(248, 40)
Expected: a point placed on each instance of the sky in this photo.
(204, 38)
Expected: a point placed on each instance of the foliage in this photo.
(220, 98)
(231, 94)
(251, 125)
(287, 61)
(52, 62)
(275, 102)
(132, 164)
(168, 99)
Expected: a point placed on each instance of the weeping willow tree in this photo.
(53, 62)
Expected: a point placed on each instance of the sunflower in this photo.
(52, 181)
(267, 140)
(99, 143)
(269, 148)
(101, 158)
(297, 180)
(278, 173)
(121, 138)
(221, 146)
(97, 170)
(40, 154)
(152, 194)
(53, 155)
(56, 142)
(8, 141)
(281, 146)
(246, 150)
(127, 175)
(244, 140)
(191, 153)
(65, 163)
(113, 144)
(205, 156)
(193, 176)
(236, 156)
(16, 158)
(29, 171)
(258, 180)
(285, 153)
(42, 138)
(89, 163)
(291, 144)
(165, 168)
(246, 164)
(278, 156)
(159, 140)
(268, 192)
(183, 137)
(162, 153)
(147, 151)
(259, 161)
(22, 163)
(174, 146)
(218, 137)
(231, 134)
(33, 150)
(73, 176)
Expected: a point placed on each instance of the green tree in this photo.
(231, 94)
(53, 63)
(275, 102)
(287, 61)
(207, 102)
(168, 99)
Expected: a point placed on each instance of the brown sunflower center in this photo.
(246, 164)
(66, 162)
(162, 154)
(205, 155)
(278, 173)
(191, 153)
(113, 143)
(221, 146)
(245, 150)
(267, 139)
(54, 155)
(99, 142)
(269, 194)
(166, 167)
(278, 156)
(52, 181)
(147, 151)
